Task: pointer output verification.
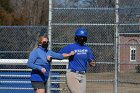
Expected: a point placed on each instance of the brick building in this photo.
(129, 50)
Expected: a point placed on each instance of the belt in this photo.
(79, 72)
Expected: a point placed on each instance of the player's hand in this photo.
(43, 70)
(92, 63)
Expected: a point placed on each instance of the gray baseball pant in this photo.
(76, 82)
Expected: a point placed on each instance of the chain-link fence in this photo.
(129, 44)
(113, 27)
(99, 19)
(15, 45)
(114, 37)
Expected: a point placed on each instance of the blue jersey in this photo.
(38, 60)
(82, 56)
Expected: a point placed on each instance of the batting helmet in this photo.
(81, 32)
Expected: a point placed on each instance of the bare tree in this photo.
(34, 11)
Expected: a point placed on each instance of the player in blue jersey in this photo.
(76, 78)
(39, 61)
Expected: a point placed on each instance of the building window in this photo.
(132, 53)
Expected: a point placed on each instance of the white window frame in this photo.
(133, 48)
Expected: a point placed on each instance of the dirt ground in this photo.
(128, 82)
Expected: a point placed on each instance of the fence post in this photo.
(116, 46)
(49, 36)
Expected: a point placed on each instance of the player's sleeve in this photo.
(31, 61)
(90, 55)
